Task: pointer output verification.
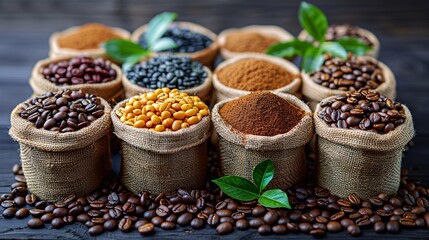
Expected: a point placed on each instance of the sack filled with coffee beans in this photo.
(260, 126)
(360, 139)
(92, 75)
(64, 142)
(250, 72)
(163, 138)
(171, 71)
(338, 76)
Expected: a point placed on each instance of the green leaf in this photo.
(263, 173)
(275, 198)
(158, 25)
(313, 20)
(335, 49)
(313, 59)
(132, 60)
(121, 49)
(354, 45)
(291, 48)
(237, 187)
(163, 44)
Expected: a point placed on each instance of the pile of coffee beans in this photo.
(167, 71)
(353, 73)
(63, 111)
(364, 109)
(336, 31)
(79, 70)
(187, 41)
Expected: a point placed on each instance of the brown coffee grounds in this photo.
(254, 75)
(243, 41)
(88, 36)
(261, 113)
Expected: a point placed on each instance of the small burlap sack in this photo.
(371, 37)
(240, 153)
(58, 164)
(111, 91)
(356, 161)
(224, 92)
(313, 93)
(203, 90)
(268, 30)
(56, 51)
(162, 161)
(206, 56)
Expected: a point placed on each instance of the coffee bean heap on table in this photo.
(187, 41)
(63, 111)
(351, 74)
(364, 109)
(79, 70)
(315, 211)
(167, 71)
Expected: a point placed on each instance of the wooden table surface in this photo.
(25, 26)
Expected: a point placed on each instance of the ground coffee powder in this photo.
(261, 113)
(88, 36)
(242, 41)
(254, 75)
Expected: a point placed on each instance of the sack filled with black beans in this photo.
(360, 139)
(92, 75)
(64, 140)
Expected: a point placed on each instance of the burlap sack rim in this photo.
(301, 133)
(179, 140)
(56, 49)
(386, 88)
(25, 132)
(270, 30)
(363, 139)
(292, 87)
(371, 36)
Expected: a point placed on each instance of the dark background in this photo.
(25, 27)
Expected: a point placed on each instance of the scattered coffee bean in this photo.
(22, 213)
(147, 229)
(35, 223)
(96, 230)
(9, 212)
(353, 230)
(57, 223)
(224, 228)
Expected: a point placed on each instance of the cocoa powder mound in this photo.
(254, 75)
(88, 36)
(242, 41)
(261, 113)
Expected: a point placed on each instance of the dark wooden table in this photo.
(25, 26)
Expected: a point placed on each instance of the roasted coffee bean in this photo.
(213, 220)
(57, 223)
(242, 224)
(168, 225)
(22, 213)
(256, 222)
(147, 229)
(37, 213)
(35, 223)
(179, 208)
(318, 233)
(375, 218)
(292, 227)
(19, 201)
(426, 218)
(279, 229)
(224, 213)
(184, 219)
(8, 204)
(259, 211)
(162, 211)
(363, 221)
(365, 211)
(271, 217)
(418, 210)
(238, 215)
(83, 218)
(125, 225)
(9, 212)
(353, 230)
(393, 227)
(60, 212)
(96, 230)
(47, 217)
(149, 214)
(224, 228)
(197, 223)
(264, 229)
(420, 222)
(110, 225)
(305, 227)
(157, 221)
(379, 227)
(354, 199)
(337, 216)
(345, 222)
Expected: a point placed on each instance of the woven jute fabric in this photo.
(203, 90)
(313, 93)
(162, 161)
(356, 161)
(267, 30)
(224, 92)
(240, 153)
(111, 91)
(206, 56)
(59, 164)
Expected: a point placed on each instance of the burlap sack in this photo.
(240, 153)
(313, 93)
(371, 37)
(224, 92)
(162, 161)
(56, 51)
(203, 90)
(268, 30)
(206, 56)
(111, 91)
(356, 161)
(57, 164)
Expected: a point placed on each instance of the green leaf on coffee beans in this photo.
(158, 25)
(263, 173)
(291, 48)
(354, 45)
(238, 188)
(274, 198)
(163, 44)
(121, 50)
(313, 20)
(133, 59)
(312, 60)
(335, 49)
